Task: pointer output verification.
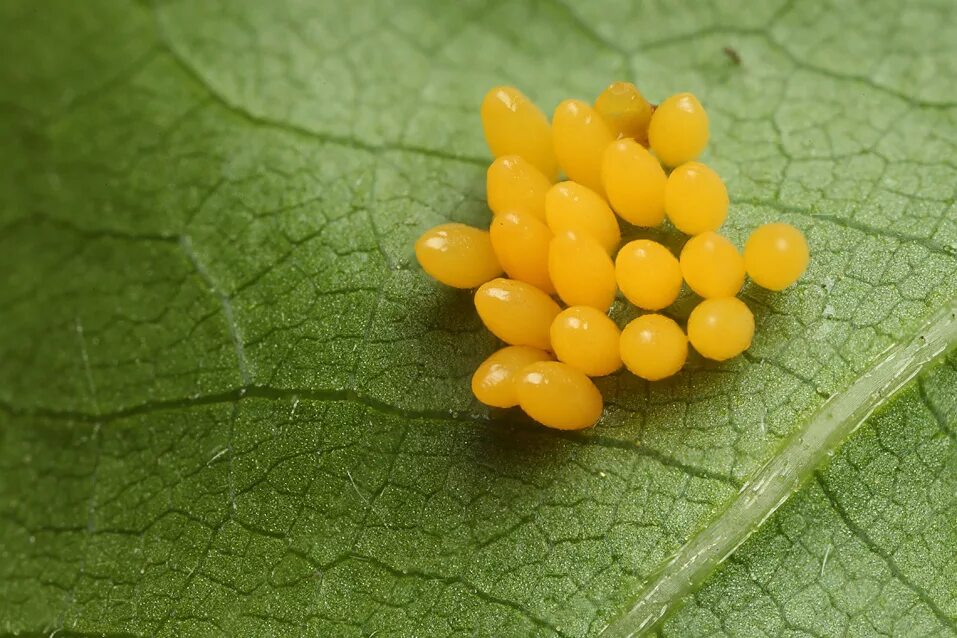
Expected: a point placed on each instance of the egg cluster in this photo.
(620, 156)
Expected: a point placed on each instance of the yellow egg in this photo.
(653, 347)
(513, 184)
(776, 255)
(571, 206)
(648, 274)
(581, 271)
(457, 255)
(634, 183)
(586, 339)
(559, 396)
(696, 199)
(521, 242)
(494, 381)
(513, 125)
(516, 312)
(712, 266)
(720, 329)
(678, 131)
(625, 111)
(580, 136)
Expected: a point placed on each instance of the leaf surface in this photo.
(232, 404)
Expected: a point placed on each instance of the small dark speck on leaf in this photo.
(733, 55)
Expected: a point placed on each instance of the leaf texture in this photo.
(232, 404)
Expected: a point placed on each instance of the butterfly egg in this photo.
(586, 339)
(457, 255)
(516, 312)
(720, 329)
(648, 274)
(678, 130)
(634, 183)
(776, 255)
(571, 206)
(494, 380)
(520, 241)
(581, 270)
(712, 266)
(580, 136)
(559, 396)
(513, 125)
(625, 111)
(653, 347)
(515, 184)
(696, 199)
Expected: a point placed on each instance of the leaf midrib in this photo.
(783, 473)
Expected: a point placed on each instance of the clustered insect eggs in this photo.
(623, 158)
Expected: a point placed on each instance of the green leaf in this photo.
(232, 404)
(866, 548)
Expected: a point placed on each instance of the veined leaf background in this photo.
(232, 404)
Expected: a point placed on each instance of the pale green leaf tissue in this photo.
(231, 404)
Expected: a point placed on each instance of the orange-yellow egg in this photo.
(720, 329)
(696, 199)
(516, 312)
(586, 339)
(625, 111)
(580, 136)
(634, 183)
(494, 381)
(513, 125)
(712, 266)
(457, 255)
(571, 206)
(648, 274)
(559, 396)
(678, 131)
(521, 242)
(513, 184)
(776, 255)
(581, 271)
(653, 347)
